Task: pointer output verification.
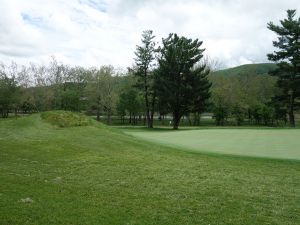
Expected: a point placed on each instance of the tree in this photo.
(9, 91)
(73, 89)
(101, 92)
(129, 102)
(179, 79)
(201, 86)
(288, 62)
(43, 93)
(144, 60)
(240, 94)
(109, 98)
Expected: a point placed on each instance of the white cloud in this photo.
(97, 32)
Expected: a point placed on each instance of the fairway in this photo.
(270, 143)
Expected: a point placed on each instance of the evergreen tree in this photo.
(180, 83)
(201, 86)
(144, 60)
(288, 62)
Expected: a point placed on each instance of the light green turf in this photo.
(270, 143)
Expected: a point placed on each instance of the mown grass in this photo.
(280, 143)
(95, 175)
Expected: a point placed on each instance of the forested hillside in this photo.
(259, 69)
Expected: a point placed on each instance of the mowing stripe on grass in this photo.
(269, 143)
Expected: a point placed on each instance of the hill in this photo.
(92, 174)
(258, 69)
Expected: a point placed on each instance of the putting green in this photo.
(270, 143)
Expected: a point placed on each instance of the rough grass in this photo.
(65, 118)
(87, 175)
(259, 142)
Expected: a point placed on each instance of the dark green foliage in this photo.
(288, 62)
(240, 94)
(220, 114)
(201, 89)
(280, 113)
(27, 107)
(181, 84)
(145, 56)
(129, 103)
(9, 94)
(258, 69)
(70, 100)
(266, 114)
(238, 114)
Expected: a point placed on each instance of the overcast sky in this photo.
(98, 32)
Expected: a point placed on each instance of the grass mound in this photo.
(65, 118)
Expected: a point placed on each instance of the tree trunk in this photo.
(291, 110)
(292, 117)
(146, 99)
(197, 119)
(176, 120)
(98, 109)
(108, 117)
(134, 119)
(151, 119)
(98, 114)
(152, 110)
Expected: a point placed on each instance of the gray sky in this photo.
(98, 32)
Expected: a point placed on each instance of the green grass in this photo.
(98, 175)
(268, 142)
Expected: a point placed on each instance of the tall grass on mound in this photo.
(65, 118)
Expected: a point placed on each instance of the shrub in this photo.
(65, 118)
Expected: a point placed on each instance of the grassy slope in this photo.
(270, 143)
(93, 175)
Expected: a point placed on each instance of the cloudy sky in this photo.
(98, 32)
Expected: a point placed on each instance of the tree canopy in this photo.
(288, 62)
(180, 81)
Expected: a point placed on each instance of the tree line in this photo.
(171, 78)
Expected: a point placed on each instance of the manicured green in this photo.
(268, 142)
(98, 175)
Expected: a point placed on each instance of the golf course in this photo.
(149, 112)
(65, 168)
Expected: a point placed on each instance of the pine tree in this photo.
(288, 62)
(201, 86)
(180, 83)
(144, 62)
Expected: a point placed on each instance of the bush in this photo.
(238, 114)
(65, 118)
(220, 114)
